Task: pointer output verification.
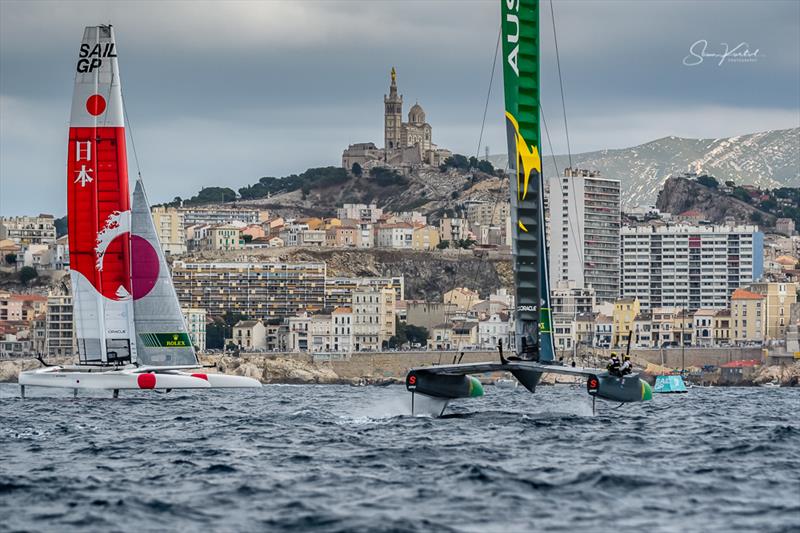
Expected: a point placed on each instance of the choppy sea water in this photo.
(336, 458)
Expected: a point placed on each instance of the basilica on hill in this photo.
(406, 144)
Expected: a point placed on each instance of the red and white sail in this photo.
(125, 306)
(98, 205)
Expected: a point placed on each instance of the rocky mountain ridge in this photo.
(767, 159)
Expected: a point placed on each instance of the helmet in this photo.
(613, 354)
(627, 357)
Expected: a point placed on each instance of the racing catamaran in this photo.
(129, 327)
(534, 340)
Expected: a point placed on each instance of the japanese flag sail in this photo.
(98, 205)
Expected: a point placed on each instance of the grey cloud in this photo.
(226, 92)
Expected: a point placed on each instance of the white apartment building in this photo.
(249, 335)
(453, 229)
(319, 333)
(60, 334)
(195, 319)
(39, 229)
(342, 330)
(373, 317)
(360, 212)
(214, 215)
(689, 266)
(296, 336)
(169, 224)
(400, 235)
(585, 232)
(603, 331)
(494, 329)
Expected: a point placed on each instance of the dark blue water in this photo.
(329, 458)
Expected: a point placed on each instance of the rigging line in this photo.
(566, 125)
(130, 133)
(578, 247)
(488, 93)
(454, 277)
(561, 188)
(561, 82)
(480, 262)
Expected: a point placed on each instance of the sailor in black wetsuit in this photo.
(627, 366)
(613, 365)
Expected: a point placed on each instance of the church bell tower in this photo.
(392, 115)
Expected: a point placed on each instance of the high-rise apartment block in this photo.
(584, 232)
(689, 266)
(265, 291)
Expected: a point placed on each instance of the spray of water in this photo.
(393, 403)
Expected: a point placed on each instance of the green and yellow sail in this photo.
(520, 38)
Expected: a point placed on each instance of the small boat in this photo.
(670, 384)
(771, 384)
(505, 383)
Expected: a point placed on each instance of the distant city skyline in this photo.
(234, 91)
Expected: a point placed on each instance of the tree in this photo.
(231, 347)
(61, 226)
(408, 333)
(11, 259)
(357, 170)
(756, 218)
(454, 195)
(730, 183)
(708, 181)
(485, 167)
(770, 204)
(416, 334)
(247, 237)
(212, 195)
(443, 245)
(386, 177)
(740, 193)
(27, 274)
(473, 162)
(215, 334)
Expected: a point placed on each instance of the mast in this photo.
(520, 36)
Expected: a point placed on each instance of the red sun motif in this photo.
(95, 104)
(146, 381)
(144, 267)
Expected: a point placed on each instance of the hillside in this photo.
(427, 274)
(767, 160)
(429, 190)
(717, 201)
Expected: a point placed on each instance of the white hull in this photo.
(224, 381)
(128, 378)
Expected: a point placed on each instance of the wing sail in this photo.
(161, 335)
(98, 205)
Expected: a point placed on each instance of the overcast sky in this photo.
(222, 93)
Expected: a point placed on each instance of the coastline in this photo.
(366, 369)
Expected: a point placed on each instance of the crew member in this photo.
(613, 365)
(626, 367)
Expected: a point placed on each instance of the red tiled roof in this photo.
(744, 294)
(749, 363)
